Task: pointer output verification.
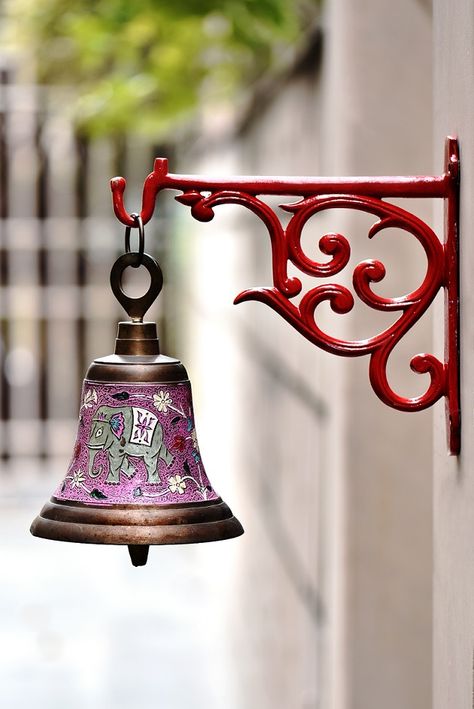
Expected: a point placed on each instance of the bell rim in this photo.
(186, 523)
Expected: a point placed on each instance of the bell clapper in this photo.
(138, 553)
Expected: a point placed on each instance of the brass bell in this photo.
(136, 476)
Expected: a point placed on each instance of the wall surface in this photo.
(333, 488)
(378, 121)
(453, 477)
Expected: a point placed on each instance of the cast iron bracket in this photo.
(365, 194)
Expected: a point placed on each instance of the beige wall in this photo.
(332, 602)
(453, 479)
(378, 120)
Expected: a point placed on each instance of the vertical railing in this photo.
(58, 239)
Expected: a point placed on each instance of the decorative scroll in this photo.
(202, 195)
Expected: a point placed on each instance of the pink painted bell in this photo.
(136, 476)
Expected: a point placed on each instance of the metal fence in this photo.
(58, 239)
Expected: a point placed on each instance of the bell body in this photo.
(136, 444)
(136, 476)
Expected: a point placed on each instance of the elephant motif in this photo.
(124, 432)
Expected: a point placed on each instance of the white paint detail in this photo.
(144, 424)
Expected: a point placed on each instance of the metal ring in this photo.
(141, 244)
(136, 307)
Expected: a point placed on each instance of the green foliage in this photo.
(147, 63)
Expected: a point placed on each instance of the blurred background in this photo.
(325, 602)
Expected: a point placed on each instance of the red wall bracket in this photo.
(366, 194)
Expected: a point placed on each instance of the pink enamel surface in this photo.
(179, 476)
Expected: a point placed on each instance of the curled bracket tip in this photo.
(117, 185)
(160, 166)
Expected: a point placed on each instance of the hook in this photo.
(156, 180)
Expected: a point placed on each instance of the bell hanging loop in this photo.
(136, 307)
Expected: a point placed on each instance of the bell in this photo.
(136, 476)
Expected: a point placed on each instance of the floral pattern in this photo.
(162, 401)
(90, 398)
(179, 443)
(77, 478)
(177, 484)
